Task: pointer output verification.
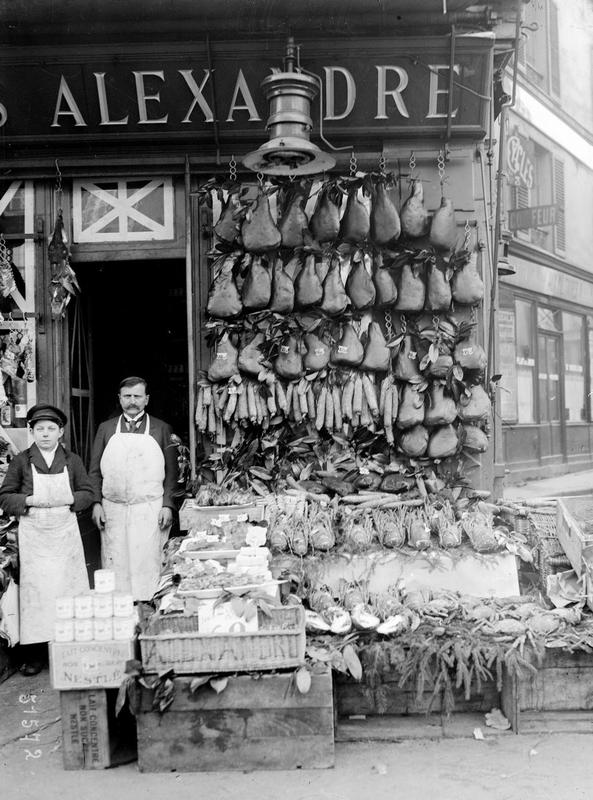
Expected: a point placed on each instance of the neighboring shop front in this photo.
(545, 311)
(120, 140)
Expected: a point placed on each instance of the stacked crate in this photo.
(94, 637)
(236, 703)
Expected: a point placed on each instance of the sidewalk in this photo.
(574, 483)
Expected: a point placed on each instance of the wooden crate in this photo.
(259, 722)
(92, 736)
(563, 683)
(89, 665)
(279, 646)
(384, 697)
(574, 529)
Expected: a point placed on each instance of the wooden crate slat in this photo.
(85, 730)
(267, 691)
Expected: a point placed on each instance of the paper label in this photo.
(412, 355)
(467, 351)
(319, 351)
(284, 349)
(342, 348)
(256, 536)
(221, 356)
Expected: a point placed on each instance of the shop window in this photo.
(574, 368)
(525, 358)
(123, 210)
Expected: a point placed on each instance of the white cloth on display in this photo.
(133, 472)
(51, 556)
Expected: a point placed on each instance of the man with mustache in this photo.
(134, 474)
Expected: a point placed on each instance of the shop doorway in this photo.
(130, 320)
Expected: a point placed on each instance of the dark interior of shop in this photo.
(137, 321)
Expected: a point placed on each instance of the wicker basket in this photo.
(551, 558)
(280, 643)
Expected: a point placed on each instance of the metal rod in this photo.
(189, 305)
(451, 83)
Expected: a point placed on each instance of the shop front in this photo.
(123, 141)
(545, 309)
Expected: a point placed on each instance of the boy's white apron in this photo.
(51, 556)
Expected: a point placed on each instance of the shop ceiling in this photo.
(135, 20)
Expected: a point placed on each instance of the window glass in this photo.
(574, 368)
(549, 319)
(525, 359)
(548, 378)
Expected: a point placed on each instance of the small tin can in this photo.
(123, 627)
(104, 580)
(102, 605)
(123, 605)
(83, 606)
(83, 630)
(102, 630)
(64, 630)
(64, 608)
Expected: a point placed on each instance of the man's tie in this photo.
(131, 425)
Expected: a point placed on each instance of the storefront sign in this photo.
(533, 217)
(520, 161)
(551, 282)
(393, 85)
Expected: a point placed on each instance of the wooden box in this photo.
(92, 736)
(574, 527)
(256, 722)
(279, 646)
(89, 665)
(563, 684)
(384, 697)
(194, 516)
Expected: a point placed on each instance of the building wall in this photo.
(547, 303)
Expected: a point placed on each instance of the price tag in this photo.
(412, 355)
(467, 351)
(221, 356)
(319, 351)
(342, 348)
(364, 471)
(284, 349)
(233, 390)
(242, 518)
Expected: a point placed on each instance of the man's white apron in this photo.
(51, 556)
(133, 470)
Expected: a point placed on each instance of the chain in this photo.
(260, 179)
(353, 165)
(382, 163)
(466, 235)
(441, 166)
(58, 187)
(412, 161)
(436, 320)
(473, 315)
(3, 250)
(404, 323)
(388, 324)
(232, 169)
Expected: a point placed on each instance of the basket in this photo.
(279, 644)
(551, 557)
